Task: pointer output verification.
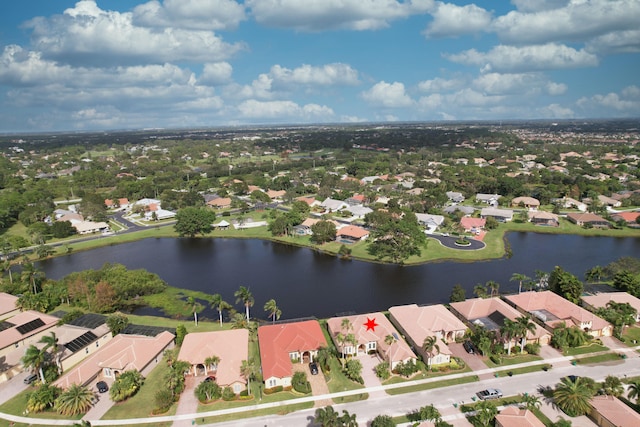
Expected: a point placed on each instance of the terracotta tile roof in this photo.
(220, 202)
(601, 299)
(123, 352)
(426, 321)
(277, 341)
(615, 411)
(7, 303)
(398, 351)
(512, 416)
(353, 231)
(13, 334)
(468, 222)
(627, 216)
(559, 307)
(232, 347)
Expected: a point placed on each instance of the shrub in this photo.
(207, 391)
(532, 348)
(382, 370)
(406, 369)
(353, 370)
(496, 358)
(300, 383)
(272, 390)
(163, 399)
(228, 394)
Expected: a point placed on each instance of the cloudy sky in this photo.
(130, 64)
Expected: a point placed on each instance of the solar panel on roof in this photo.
(6, 325)
(30, 326)
(497, 317)
(89, 321)
(81, 342)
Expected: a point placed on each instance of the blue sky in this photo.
(131, 64)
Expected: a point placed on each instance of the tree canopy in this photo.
(191, 221)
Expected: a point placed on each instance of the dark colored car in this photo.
(313, 367)
(102, 387)
(468, 346)
(209, 379)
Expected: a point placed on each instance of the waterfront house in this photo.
(373, 333)
(431, 222)
(24, 329)
(501, 215)
(601, 299)
(588, 218)
(352, 233)
(8, 305)
(122, 353)
(283, 344)
(491, 313)
(470, 224)
(230, 346)
(543, 218)
(553, 310)
(528, 202)
(419, 322)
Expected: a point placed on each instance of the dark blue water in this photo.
(308, 283)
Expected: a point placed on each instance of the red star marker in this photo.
(371, 324)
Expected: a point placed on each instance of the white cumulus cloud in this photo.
(550, 56)
(216, 73)
(450, 20)
(388, 95)
(191, 14)
(325, 75)
(318, 15)
(283, 110)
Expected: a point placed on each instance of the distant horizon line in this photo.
(496, 122)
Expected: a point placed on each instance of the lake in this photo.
(308, 283)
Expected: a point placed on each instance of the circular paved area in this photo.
(450, 242)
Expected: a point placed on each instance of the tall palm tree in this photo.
(219, 304)
(524, 326)
(519, 277)
(211, 362)
(573, 396)
(6, 266)
(431, 347)
(326, 417)
(508, 332)
(480, 290)
(195, 306)
(74, 400)
(612, 386)
(272, 308)
(493, 287)
(246, 297)
(486, 412)
(634, 391)
(531, 401)
(32, 275)
(248, 369)
(35, 359)
(51, 343)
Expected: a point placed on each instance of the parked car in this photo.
(30, 378)
(102, 386)
(468, 346)
(313, 367)
(209, 379)
(490, 393)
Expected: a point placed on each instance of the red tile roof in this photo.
(277, 341)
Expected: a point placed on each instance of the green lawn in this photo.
(513, 360)
(17, 404)
(523, 370)
(255, 413)
(607, 357)
(630, 335)
(141, 405)
(435, 384)
(591, 348)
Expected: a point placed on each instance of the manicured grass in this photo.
(397, 379)
(513, 360)
(591, 348)
(630, 335)
(203, 326)
(607, 357)
(338, 382)
(255, 413)
(17, 404)
(141, 405)
(266, 398)
(435, 384)
(523, 370)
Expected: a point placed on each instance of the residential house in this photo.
(220, 203)
(373, 333)
(304, 229)
(543, 218)
(601, 299)
(608, 201)
(609, 411)
(77, 342)
(332, 205)
(146, 202)
(455, 197)
(501, 215)
(631, 218)
(588, 218)
(311, 201)
(90, 227)
(528, 202)
(230, 346)
(431, 222)
(358, 211)
(158, 214)
(417, 323)
(491, 313)
(8, 305)
(489, 199)
(352, 233)
(284, 344)
(122, 353)
(24, 329)
(72, 217)
(356, 199)
(568, 202)
(512, 416)
(470, 224)
(276, 195)
(553, 310)
(467, 210)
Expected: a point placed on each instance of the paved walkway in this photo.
(369, 363)
(188, 403)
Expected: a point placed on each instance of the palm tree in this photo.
(519, 277)
(480, 290)
(195, 306)
(211, 362)
(6, 266)
(51, 342)
(594, 274)
(493, 287)
(326, 417)
(486, 412)
(272, 308)
(74, 400)
(248, 369)
(612, 386)
(389, 339)
(430, 346)
(35, 359)
(573, 396)
(634, 391)
(531, 401)
(508, 332)
(219, 304)
(244, 295)
(31, 274)
(524, 326)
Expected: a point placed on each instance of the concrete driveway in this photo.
(473, 361)
(318, 383)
